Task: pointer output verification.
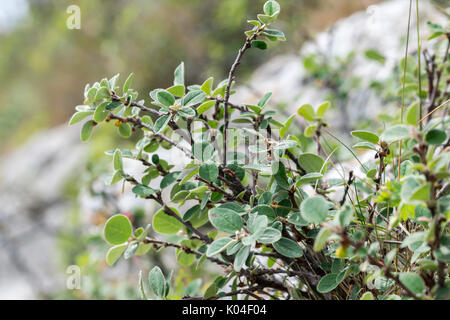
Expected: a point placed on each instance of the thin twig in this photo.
(226, 99)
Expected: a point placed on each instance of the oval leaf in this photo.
(218, 246)
(314, 209)
(225, 220)
(288, 248)
(209, 171)
(327, 283)
(366, 135)
(117, 229)
(165, 224)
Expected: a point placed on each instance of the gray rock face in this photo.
(32, 178)
(33, 211)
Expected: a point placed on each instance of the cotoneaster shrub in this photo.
(254, 197)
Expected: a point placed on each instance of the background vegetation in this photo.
(43, 64)
(43, 67)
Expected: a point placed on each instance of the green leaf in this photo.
(127, 83)
(161, 123)
(185, 259)
(256, 223)
(112, 81)
(178, 79)
(435, 35)
(279, 174)
(157, 282)
(255, 23)
(168, 279)
(255, 109)
(189, 214)
(141, 285)
(436, 137)
(193, 98)
(285, 144)
(310, 131)
(143, 191)
(203, 151)
(114, 253)
(314, 209)
(288, 248)
(381, 283)
(366, 135)
(205, 106)
(395, 133)
(209, 171)
(86, 130)
(131, 249)
(83, 108)
(177, 91)
(147, 120)
(90, 95)
(155, 158)
(207, 86)
(274, 34)
(412, 114)
(443, 254)
(187, 112)
(421, 193)
(266, 19)
(180, 196)
(260, 44)
(264, 210)
(327, 283)
(225, 220)
(262, 103)
(323, 108)
(141, 233)
(125, 130)
(218, 246)
(113, 105)
(286, 126)
(165, 98)
(165, 224)
(375, 55)
(100, 113)
(309, 177)
(78, 116)
(321, 239)
(311, 162)
(102, 95)
(367, 296)
(307, 111)
(365, 145)
(169, 178)
(117, 229)
(188, 176)
(240, 258)
(114, 178)
(413, 282)
(344, 216)
(117, 160)
(271, 8)
(269, 235)
(211, 291)
(434, 26)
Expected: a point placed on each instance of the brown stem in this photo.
(226, 99)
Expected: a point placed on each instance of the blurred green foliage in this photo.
(43, 63)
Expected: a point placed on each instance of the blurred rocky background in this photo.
(49, 218)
